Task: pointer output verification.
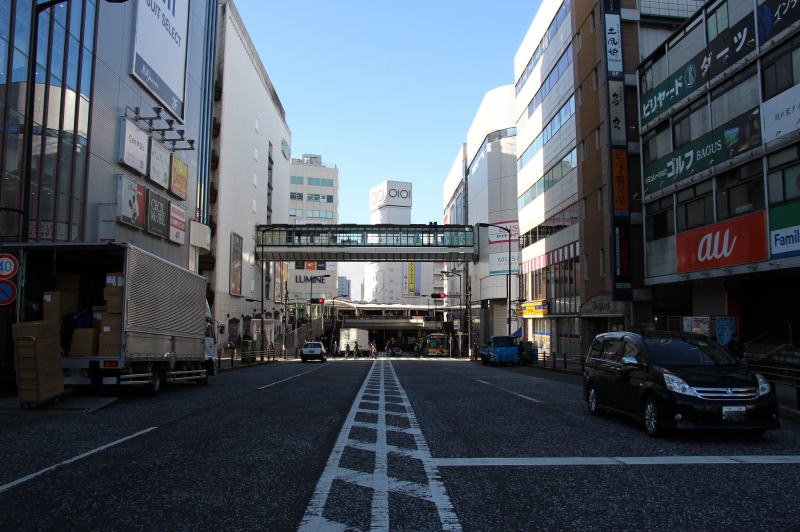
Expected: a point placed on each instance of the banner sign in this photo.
(781, 114)
(784, 230)
(235, 264)
(619, 179)
(737, 241)
(613, 46)
(159, 164)
(159, 50)
(130, 202)
(728, 47)
(157, 214)
(616, 110)
(133, 146)
(179, 180)
(411, 278)
(498, 236)
(177, 223)
(774, 16)
(498, 263)
(737, 136)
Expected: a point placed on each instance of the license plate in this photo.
(733, 413)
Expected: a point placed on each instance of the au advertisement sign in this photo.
(737, 136)
(157, 214)
(133, 146)
(737, 241)
(159, 50)
(784, 230)
(131, 198)
(728, 47)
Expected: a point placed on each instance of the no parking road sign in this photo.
(8, 266)
(8, 292)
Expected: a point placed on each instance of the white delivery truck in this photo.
(151, 316)
(351, 335)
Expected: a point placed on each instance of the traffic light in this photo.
(317, 300)
(438, 296)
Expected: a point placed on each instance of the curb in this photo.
(249, 365)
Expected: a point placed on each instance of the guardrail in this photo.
(785, 374)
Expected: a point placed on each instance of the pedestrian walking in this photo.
(355, 350)
(347, 350)
(374, 351)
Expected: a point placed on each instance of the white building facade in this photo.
(481, 188)
(313, 198)
(250, 179)
(397, 282)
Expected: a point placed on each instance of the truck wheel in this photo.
(156, 381)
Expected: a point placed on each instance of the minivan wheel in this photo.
(653, 421)
(591, 402)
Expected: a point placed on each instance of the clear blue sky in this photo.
(385, 90)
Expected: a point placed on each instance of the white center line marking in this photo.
(512, 393)
(26, 478)
(290, 378)
(613, 460)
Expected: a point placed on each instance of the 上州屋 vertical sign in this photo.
(618, 143)
(159, 50)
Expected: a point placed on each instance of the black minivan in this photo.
(674, 380)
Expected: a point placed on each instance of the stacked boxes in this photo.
(110, 320)
(59, 303)
(38, 360)
(84, 343)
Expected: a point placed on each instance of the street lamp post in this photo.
(460, 301)
(37, 7)
(508, 275)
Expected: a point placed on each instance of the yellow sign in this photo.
(179, 184)
(532, 308)
(411, 280)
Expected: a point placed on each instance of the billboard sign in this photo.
(133, 146)
(130, 202)
(235, 273)
(390, 193)
(498, 263)
(177, 223)
(781, 114)
(737, 241)
(157, 214)
(159, 164)
(159, 50)
(497, 235)
(179, 180)
(784, 234)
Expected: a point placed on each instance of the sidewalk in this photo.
(227, 362)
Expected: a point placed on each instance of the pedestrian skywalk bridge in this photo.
(366, 243)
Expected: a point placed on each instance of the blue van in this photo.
(500, 350)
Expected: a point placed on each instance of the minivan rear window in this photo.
(686, 351)
(504, 341)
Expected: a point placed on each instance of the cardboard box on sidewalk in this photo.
(37, 358)
(84, 342)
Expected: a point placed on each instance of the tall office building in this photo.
(344, 286)
(313, 199)
(115, 144)
(249, 178)
(481, 187)
(397, 282)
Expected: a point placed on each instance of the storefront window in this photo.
(740, 191)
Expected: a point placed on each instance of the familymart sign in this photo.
(721, 144)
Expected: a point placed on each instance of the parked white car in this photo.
(313, 351)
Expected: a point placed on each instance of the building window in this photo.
(591, 20)
(784, 176)
(686, 47)
(298, 196)
(656, 144)
(561, 220)
(600, 199)
(255, 180)
(562, 15)
(254, 205)
(580, 95)
(780, 69)
(320, 182)
(296, 212)
(585, 266)
(660, 218)
(734, 97)
(740, 191)
(550, 178)
(690, 124)
(258, 124)
(578, 42)
(296, 180)
(695, 206)
(550, 129)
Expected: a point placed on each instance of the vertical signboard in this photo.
(412, 272)
(179, 180)
(235, 273)
(157, 214)
(177, 223)
(159, 50)
(159, 164)
(130, 202)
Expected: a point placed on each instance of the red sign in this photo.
(8, 266)
(8, 292)
(311, 265)
(728, 243)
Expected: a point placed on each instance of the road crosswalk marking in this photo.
(402, 470)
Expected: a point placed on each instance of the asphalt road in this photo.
(389, 445)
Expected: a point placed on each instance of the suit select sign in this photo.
(159, 51)
(737, 241)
